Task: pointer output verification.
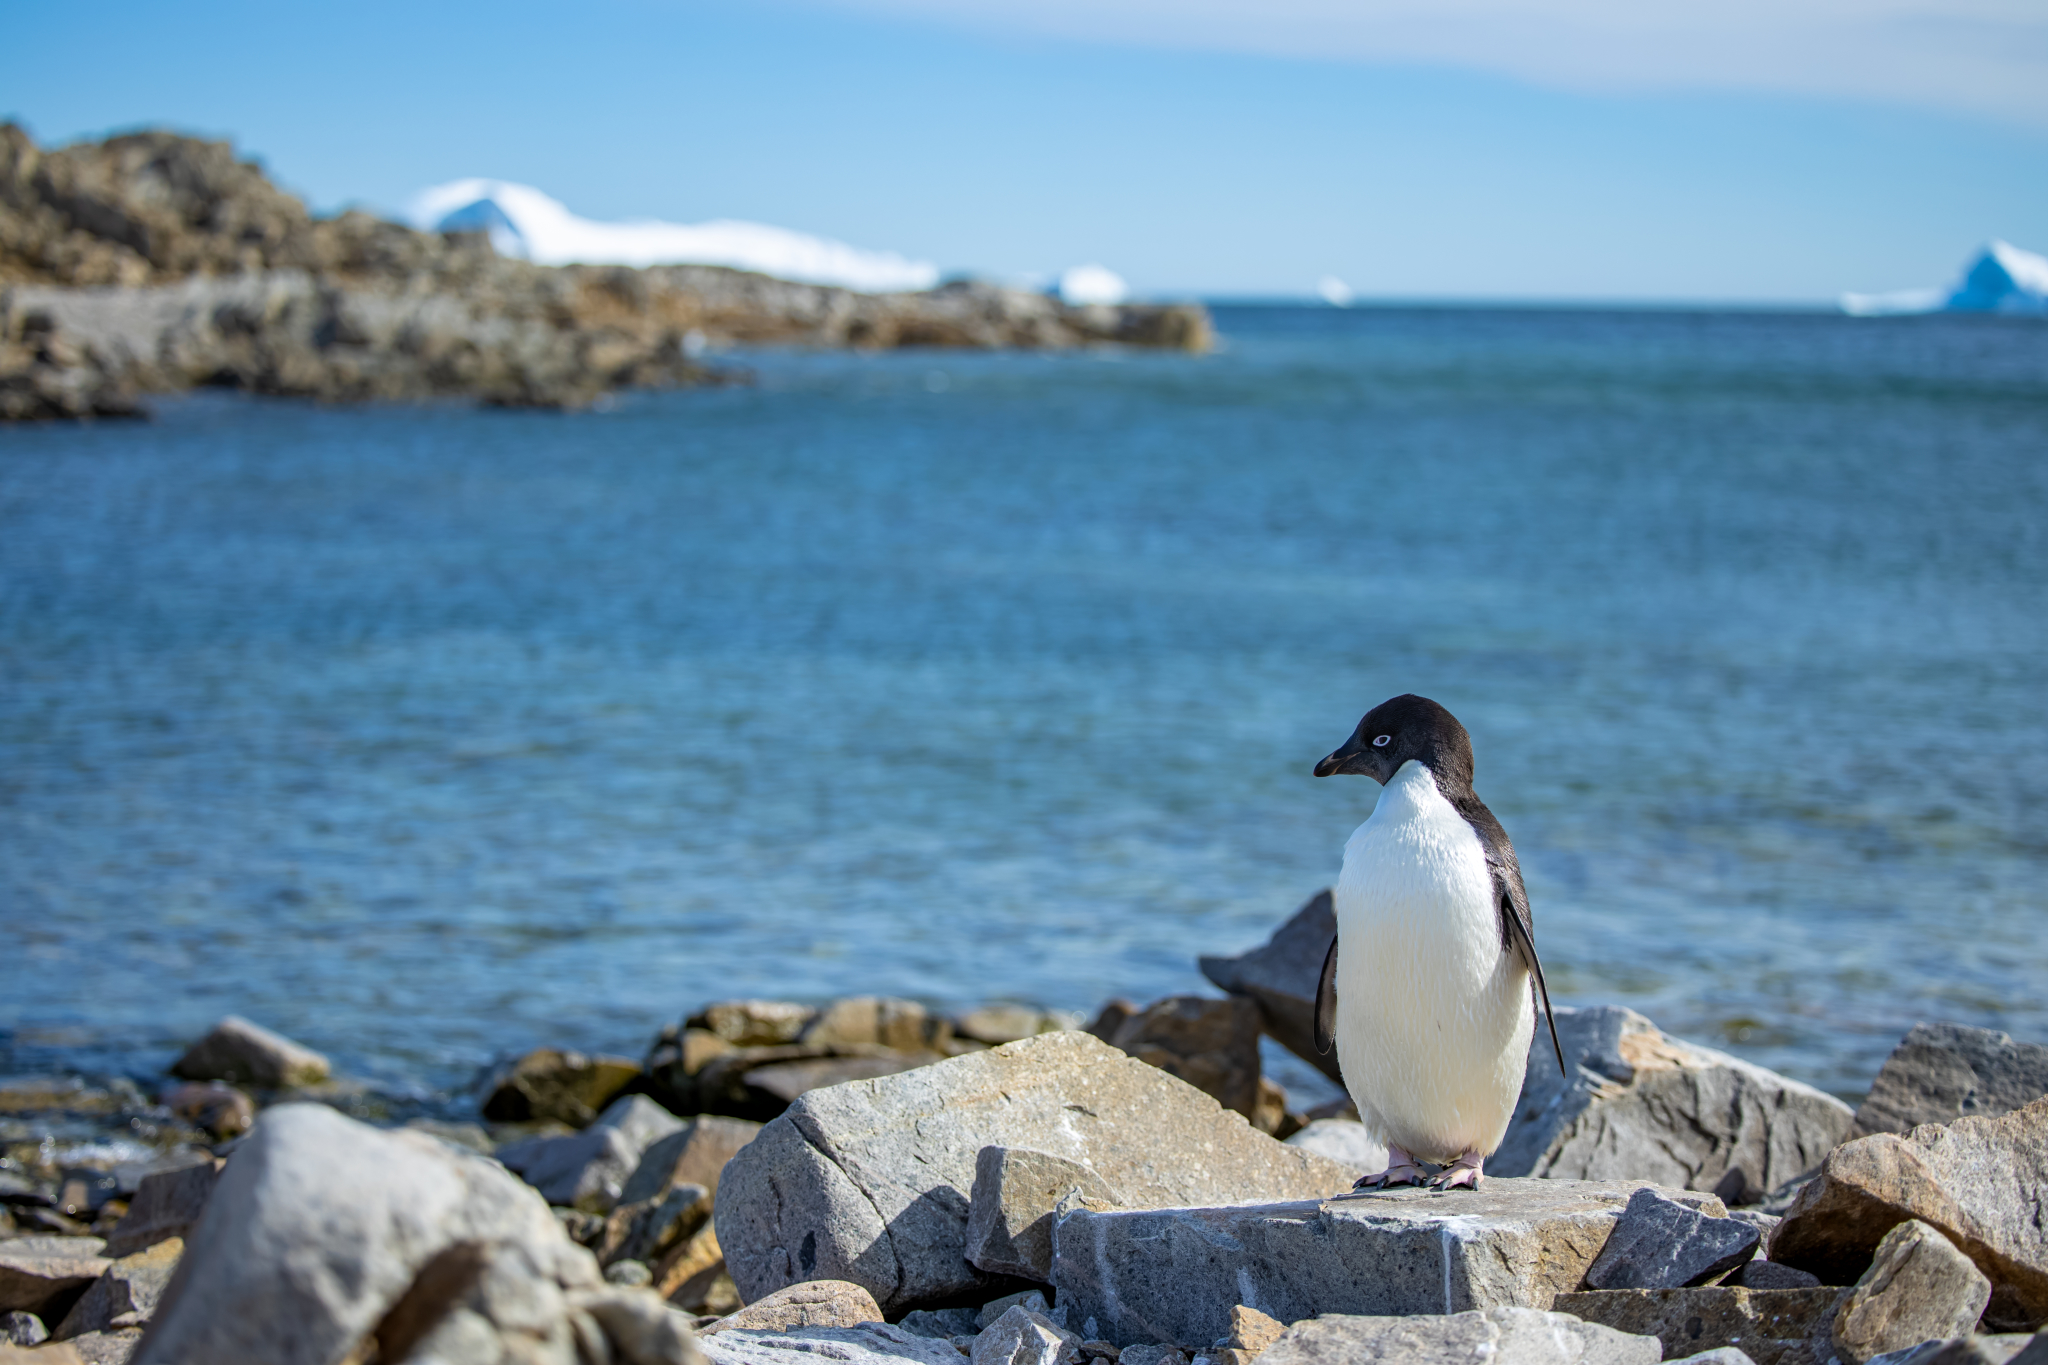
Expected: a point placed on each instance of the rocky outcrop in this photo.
(152, 262)
(1941, 1072)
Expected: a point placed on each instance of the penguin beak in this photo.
(1352, 758)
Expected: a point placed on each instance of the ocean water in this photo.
(423, 734)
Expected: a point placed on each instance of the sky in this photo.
(1769, 151)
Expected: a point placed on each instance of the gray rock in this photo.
(787, 1080)
(1661, 1244)
(1998, 1349)
(877, 1021)
(1645, 1106)
(1031, 1299)
(326, 1237)
(633, 1274)
(22, 1329)
(1979, 1181)
(552, 1083)
(1173, 1274)
(588, 1170)
(166, 1205)
(871, 1343)
(944, 1323)
(1498, 1336)
(1941, 1072)
(1720, 1355)
(1023, 1337)
(999, 1024)
(1152, 1353)
(1281, 978)
(37, 1271)
(126, 1295)
(1211, 1044)
(1346, 1141)
(1772, 1327)
(695, 1155)
(648, 1230)
(1010, 1208)
(870, 1182)
(1918, 1287)
(113, 1347)
(238, 1050)
(1761, 1274)
(815, 1303)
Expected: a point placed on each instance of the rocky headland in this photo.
(873, 1182)
(152, 263)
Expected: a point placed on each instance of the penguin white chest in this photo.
(1434, 1014)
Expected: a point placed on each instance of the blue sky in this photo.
(1492, 149)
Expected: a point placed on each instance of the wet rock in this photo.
(999, 1024)
(83, 1192)
(1642, 1105)
(1941, 1072)
(648, 1230)
(1211, 1044)
(1023, 1337)
(126, 1294)
(2001, 1349)
(39, 1272)
(1499, 1336)
(887, 1208)
(1772, 1327)
(754, 1023)
(1976, 1180)
(694, 1155)
(238, 1050)
(1762, 1274)
(1011, 1207)
(588, 1170)
(220, 1109)
(1281, 978)
(549, 1083)
(1172, 1274)
(870, 1343)
(22, 1329)
(1918, 1287)
(1346, 1141)
(1662, 1244)
(816, 1303)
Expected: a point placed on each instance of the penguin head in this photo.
(1406, 727)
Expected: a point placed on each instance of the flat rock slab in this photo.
(1642, 1105)
(1982, 1182)
(871, 1343)
(1174, 1274)
(870, 1181)
(34, 1271)
(1941, 1072)
(1493, 1336)
(1663, 1244)
(1771, 1326)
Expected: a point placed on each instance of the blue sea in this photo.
(427, 733)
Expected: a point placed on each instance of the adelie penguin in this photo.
(1427, 989)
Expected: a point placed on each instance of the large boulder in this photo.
(1173, 1274)
(1770, 1326)
(1918, 1287)
(1980, 1181)
(870, 1181)
(1642, 1105)
(1497, 1336)
(237, 1050)
(1940, 1072)
(1280, 976)
(327, 1238)
(589, 1170)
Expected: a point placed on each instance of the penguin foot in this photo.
(1402, 1169)
(1466, 1171)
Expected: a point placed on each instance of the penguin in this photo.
(1430, 1003)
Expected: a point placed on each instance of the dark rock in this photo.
(1281, 978)
(1978, 1181)
(2017, 1349)
(44, 1275)
(1773, 1327)
(219, 1108)
(1918, 1287)
(1211, 1044)
(238, 1050)
(1033, 1299)
(1109, 1019)
(1498, 1336)
(126, 1294)
(1011, 1206)
(83, 1192)
(943, 1323)
(648, 1230)
(549, 1083)
(1662, 1244)
(1941, 1072)
(1762, 1274)
(784, 1081)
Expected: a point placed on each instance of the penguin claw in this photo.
(1466, 1171)
(1402, 1169)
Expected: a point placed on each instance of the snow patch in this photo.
(527, 224)
(2002, 279)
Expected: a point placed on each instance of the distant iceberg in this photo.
(525, 223)
(1334, 292)
(2002, 279)
(1084, 284)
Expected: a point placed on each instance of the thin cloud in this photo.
(1985, 57)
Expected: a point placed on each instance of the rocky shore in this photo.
(153, 263)
(873, 1182)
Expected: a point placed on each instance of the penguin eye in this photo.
(1381, 742)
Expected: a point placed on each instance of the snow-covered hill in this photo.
(2002, 279)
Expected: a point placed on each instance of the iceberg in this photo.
(1334, 292)
(1085, 284)
(2002, 279)
(530, 225)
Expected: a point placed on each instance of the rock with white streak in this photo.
(870, 1181)
(1990, 1349)
(1496, 1336)
(1918, 1288)
(589, 1170)
(871, 1343)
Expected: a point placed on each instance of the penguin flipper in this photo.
(1514, 925)
(1326, 1001)
(1517, 926)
